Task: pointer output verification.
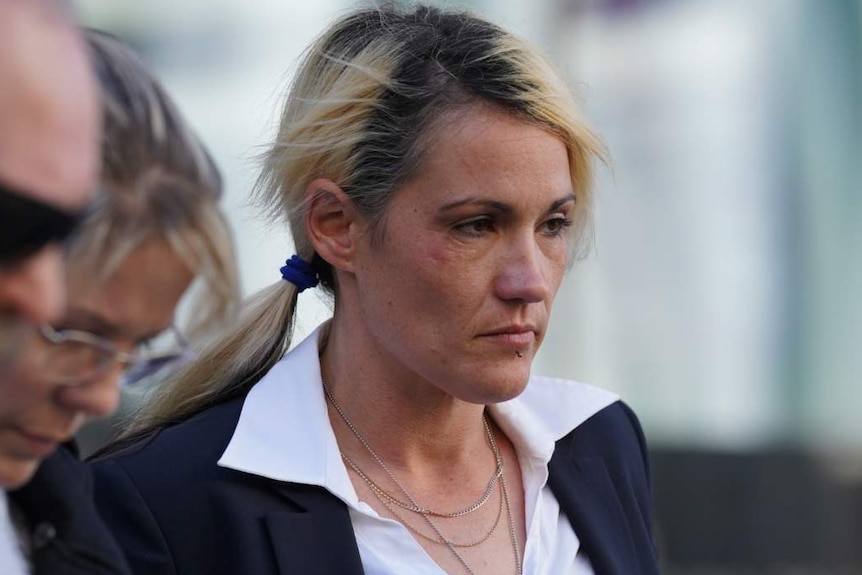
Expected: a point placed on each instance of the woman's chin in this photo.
(502, 388)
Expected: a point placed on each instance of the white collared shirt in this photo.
(289, 403)
(12, 560)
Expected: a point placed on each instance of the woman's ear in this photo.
(332, 223)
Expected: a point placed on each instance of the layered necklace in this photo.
(393, 503)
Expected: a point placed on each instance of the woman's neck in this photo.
(408, 422)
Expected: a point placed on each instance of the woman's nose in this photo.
(96, 397)
(524, 274)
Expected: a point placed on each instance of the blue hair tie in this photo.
(300, 273)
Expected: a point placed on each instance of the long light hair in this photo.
(361, 111)
(157, 182)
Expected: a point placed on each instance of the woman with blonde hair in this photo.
(154, 228)
(435, 175)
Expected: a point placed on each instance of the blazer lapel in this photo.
(587, 496)
(315, 537)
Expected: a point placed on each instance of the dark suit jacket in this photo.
(175, 511)
(66, 534)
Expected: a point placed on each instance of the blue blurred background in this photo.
(722, 297)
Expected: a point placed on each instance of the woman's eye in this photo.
(557, 226)
(476, 227)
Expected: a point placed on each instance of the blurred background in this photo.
(722, 297)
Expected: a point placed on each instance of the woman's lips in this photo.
(515, 338)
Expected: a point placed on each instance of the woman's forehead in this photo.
(502, 165)
(482, 140)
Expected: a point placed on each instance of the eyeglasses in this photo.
(74, 356)
(27, 225)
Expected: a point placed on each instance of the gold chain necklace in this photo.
(384, 500)
(489, 489)
(427, 516)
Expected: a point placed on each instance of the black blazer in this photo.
(174, 511)
(65, 532)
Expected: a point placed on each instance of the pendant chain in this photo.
(383, 494)
(426, 513)
(385, 501)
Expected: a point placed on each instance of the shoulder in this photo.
(611, 444)
(171, 468)
(167, 499)
(165, 496)
(614, 436)
(61, 479)
(198, 440)
(600, 474)
(175, 510)
(612, 429)
(67, 534)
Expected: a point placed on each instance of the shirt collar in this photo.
(547, 410)
(283, 431)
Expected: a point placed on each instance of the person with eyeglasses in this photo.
(72, 355)
(49, 165)
(153, 228)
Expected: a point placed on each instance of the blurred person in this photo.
(435, 175)
(49, 158)
(49, 162)
(154, 227)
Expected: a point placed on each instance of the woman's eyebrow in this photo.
(562, 201)
(502, 206)
(493, 204)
